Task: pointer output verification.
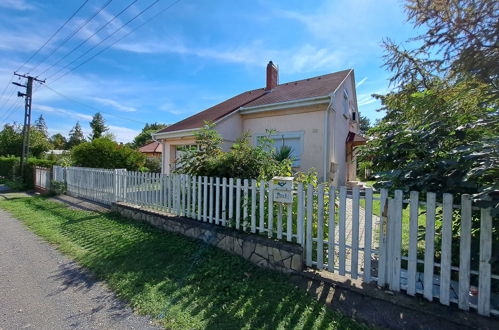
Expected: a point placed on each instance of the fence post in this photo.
(116, 185)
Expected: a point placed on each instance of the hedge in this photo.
(10, 168)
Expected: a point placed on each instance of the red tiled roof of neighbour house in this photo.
(306, 88)
(151, 147)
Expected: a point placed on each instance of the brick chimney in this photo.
(272, 76)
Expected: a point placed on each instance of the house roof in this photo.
(151, 147)
(300, 89)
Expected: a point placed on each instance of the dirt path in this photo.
(42, 289)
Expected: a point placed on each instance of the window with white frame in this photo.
(292, 141)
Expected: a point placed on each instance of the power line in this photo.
(69, 37)
(87, 39)
(89, 106)
(109, 36)
(52, 36)
(6, 87)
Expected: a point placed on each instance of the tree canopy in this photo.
(76, 136)
(440, 127)
(145, 136)
(98, 126)
(105, 153)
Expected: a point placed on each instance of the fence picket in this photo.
(465, 252)
(217, 200)
(342, 229)
(300, 214)
(270, 219)
(320, 227)
(231, 202)
(368, 216)
(413, 243)
(382, 237)
(445, 260)
(355, 232)
(484, 270)
(245, 204)
(429, 246)
(310, 219)
(200, 200)
(238, 203)
(331, 228)
(262, 207)
(194, 197)
(253, 206)
(211, 200)
(397, 241)
(224, 201)
(205, 199)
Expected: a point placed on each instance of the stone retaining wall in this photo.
(262, 251)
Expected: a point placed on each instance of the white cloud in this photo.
(114, 104)
(16, 4)
(123, 134)
(61, 112)
(360, 83)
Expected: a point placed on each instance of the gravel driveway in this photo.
(42, 289)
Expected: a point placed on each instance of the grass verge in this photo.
(181, 282)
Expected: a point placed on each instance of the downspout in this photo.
(326, 140)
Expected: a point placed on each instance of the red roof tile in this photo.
(151, 147)
(306, 88)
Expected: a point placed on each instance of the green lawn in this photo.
(181, 282)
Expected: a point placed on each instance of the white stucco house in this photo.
(318, 117)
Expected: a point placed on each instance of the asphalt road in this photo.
(40, 288)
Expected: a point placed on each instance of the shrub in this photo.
(153, 165)
(57, 187)
(243, 161)
(105, 153)
(10, 169)
(8, 166)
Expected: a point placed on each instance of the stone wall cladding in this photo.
(262, 251)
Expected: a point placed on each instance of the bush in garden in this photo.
(105, 153)
(244, 160)
(153, 164)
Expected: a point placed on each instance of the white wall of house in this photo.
(307, 124)
(230, 129)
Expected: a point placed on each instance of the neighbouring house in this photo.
(152, 150)
(57, 152)
(317, 117)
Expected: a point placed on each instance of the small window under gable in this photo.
(346, 104)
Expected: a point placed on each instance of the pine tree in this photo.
(98, 126)
(41, 125)
(76, 136)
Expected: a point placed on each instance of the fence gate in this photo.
(43, 176)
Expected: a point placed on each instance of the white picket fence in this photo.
(351, 232)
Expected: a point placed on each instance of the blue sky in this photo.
(191, 56)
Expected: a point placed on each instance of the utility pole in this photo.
(27, 115)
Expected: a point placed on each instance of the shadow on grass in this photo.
(181, 281)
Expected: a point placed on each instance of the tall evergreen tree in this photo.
(41, 125)
(76, 136)
(98, 126)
